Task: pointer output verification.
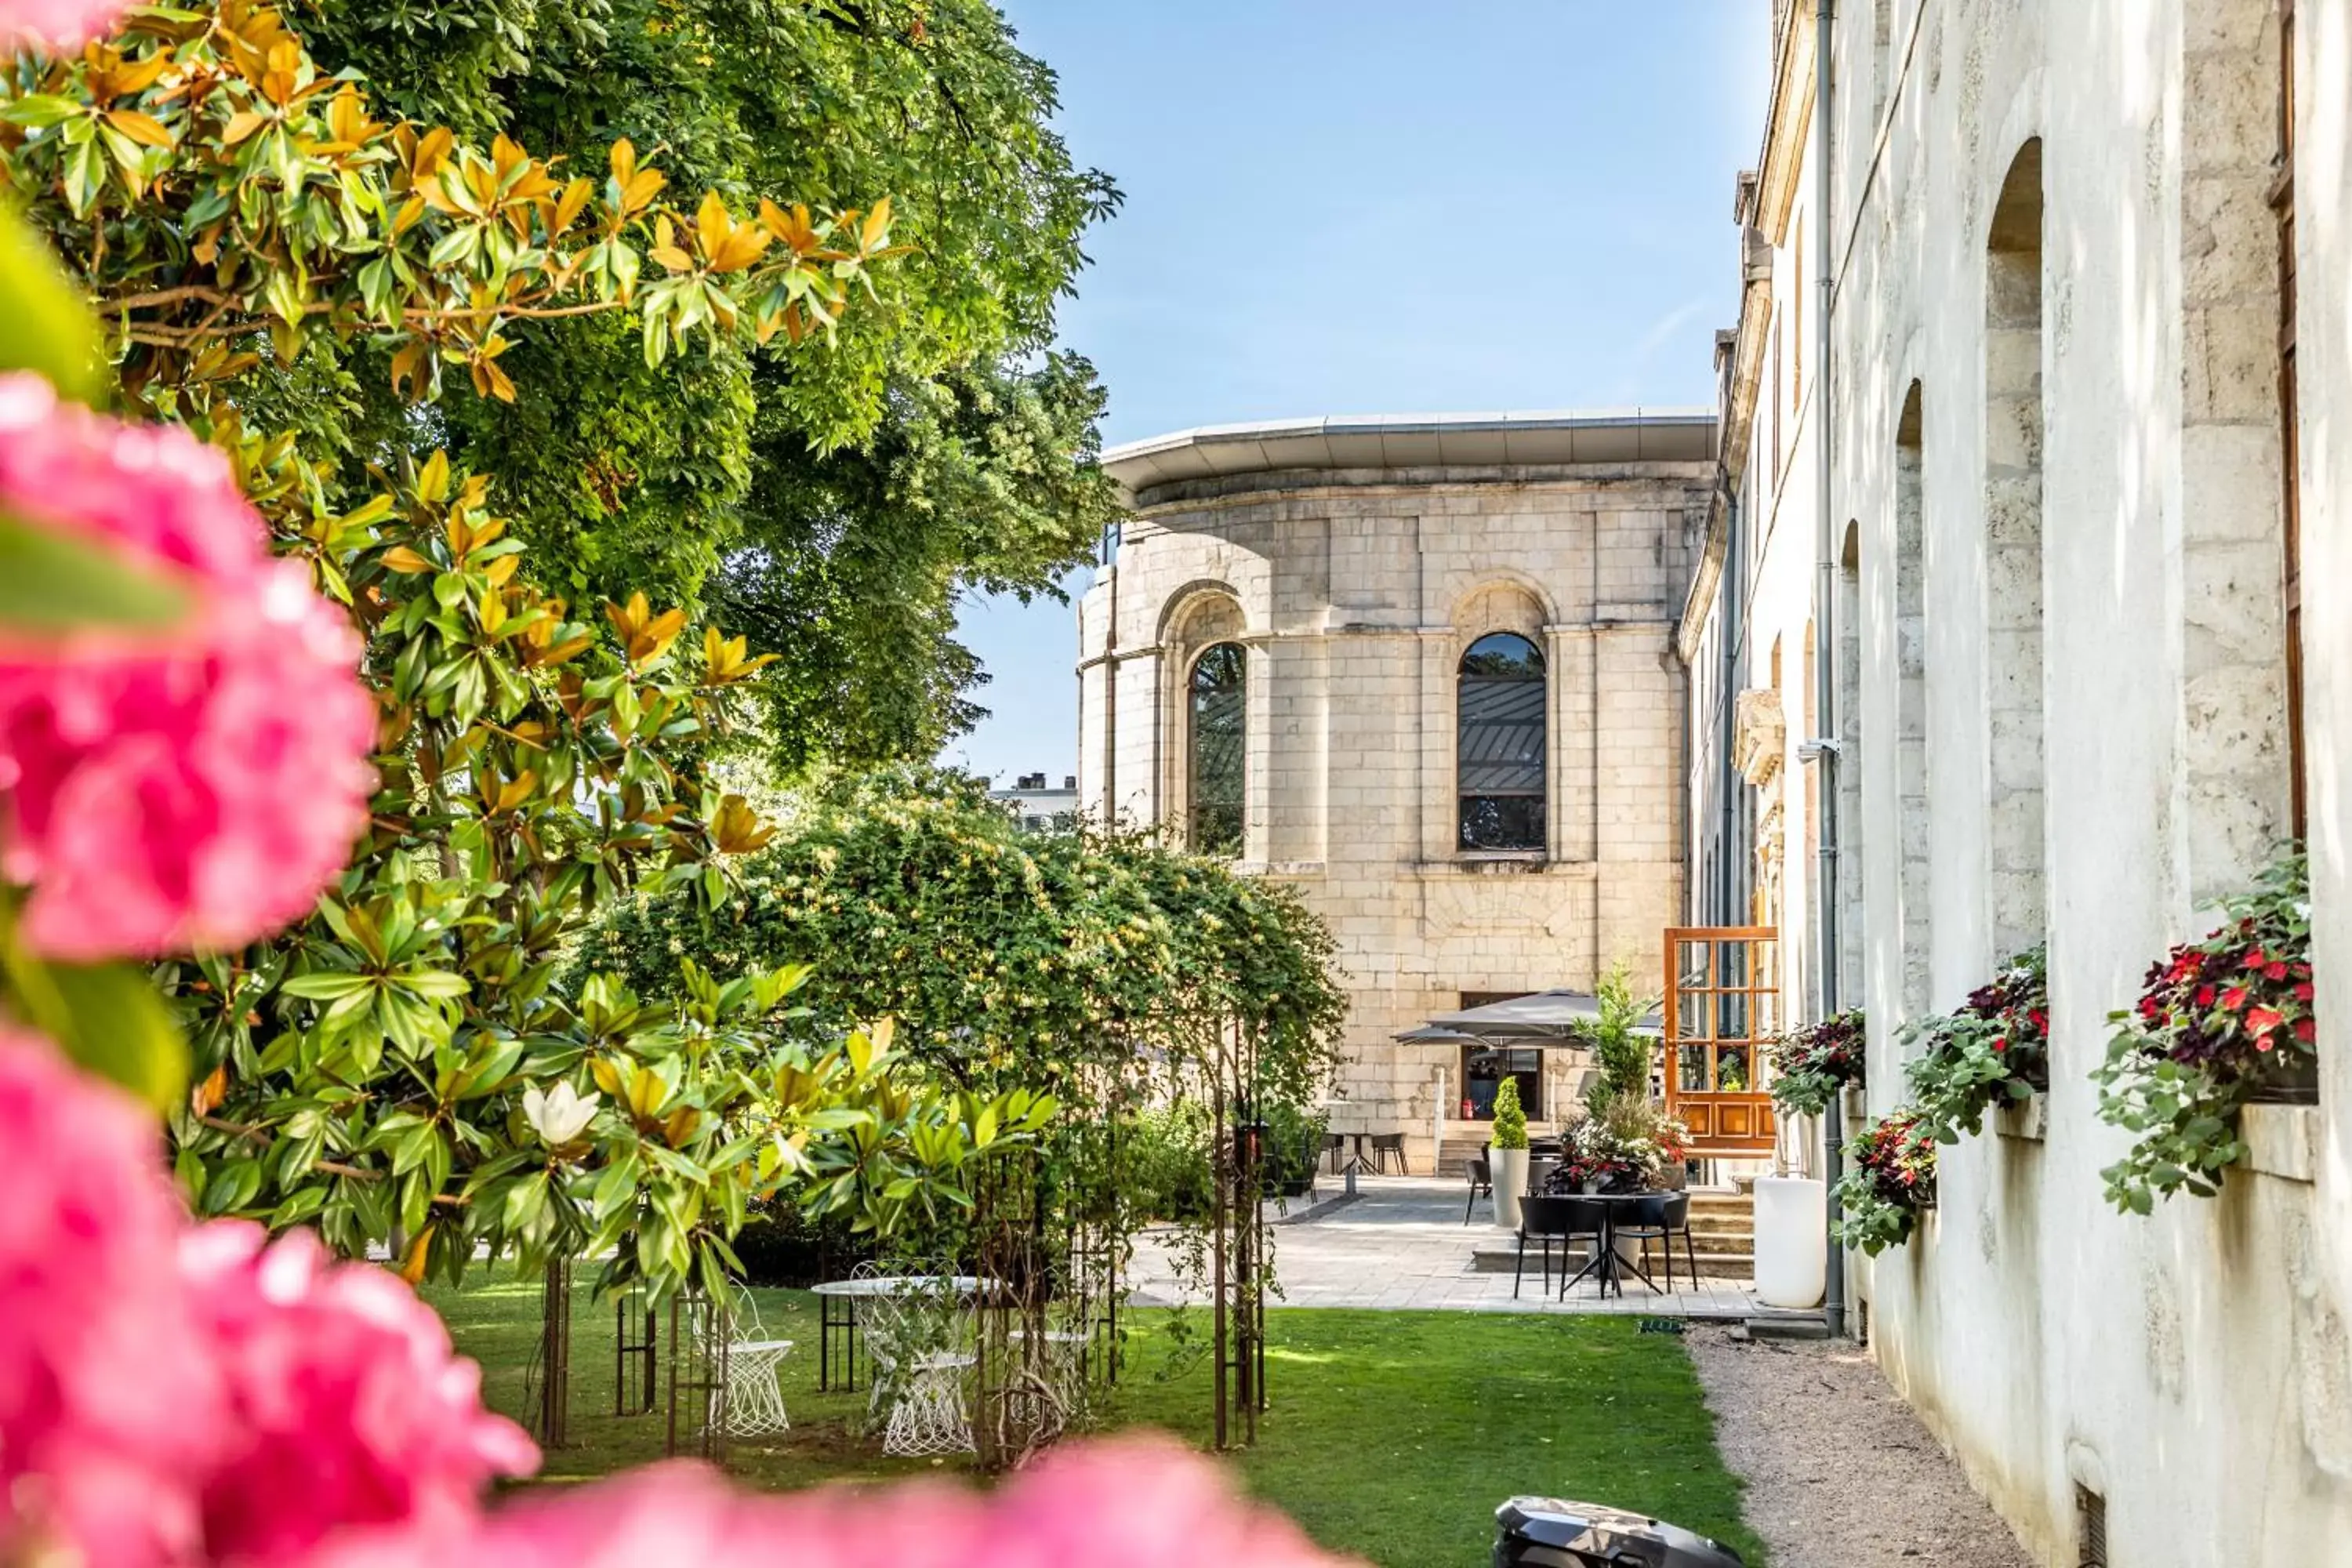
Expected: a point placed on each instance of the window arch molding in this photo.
(1502, 686)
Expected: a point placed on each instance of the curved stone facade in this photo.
(1354, 565)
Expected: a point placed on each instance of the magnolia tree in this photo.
(186, 731)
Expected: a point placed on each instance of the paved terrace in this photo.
(1402, 1245)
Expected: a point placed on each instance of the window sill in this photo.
(2028, 1119)
(1501, 862)
(2281, 1141)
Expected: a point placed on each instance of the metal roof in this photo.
(1416, 440)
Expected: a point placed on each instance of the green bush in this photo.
(1164, 1164)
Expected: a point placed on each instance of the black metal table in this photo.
(1613, 1269)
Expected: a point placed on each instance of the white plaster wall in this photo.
(1358, 591)
(2194, 1366)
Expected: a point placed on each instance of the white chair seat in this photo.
(758, 1347)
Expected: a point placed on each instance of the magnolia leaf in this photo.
(51, 581)
(111, 1019)
(50, 330)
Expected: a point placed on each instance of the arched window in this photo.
(1499, 750)
(1219, 743)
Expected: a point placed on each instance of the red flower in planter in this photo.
(2305, 1031)
(2234, 997)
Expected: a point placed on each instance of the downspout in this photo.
(1726, 878)
(1825, 641)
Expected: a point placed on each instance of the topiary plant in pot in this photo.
(1507, 1159)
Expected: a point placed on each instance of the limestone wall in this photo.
(2092, 743)
(1355, 593)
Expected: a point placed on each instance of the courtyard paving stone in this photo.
(1401, 1245)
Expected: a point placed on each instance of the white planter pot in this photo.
(1791, 1241)
(1509, 1169)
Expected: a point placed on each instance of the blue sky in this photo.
(1374, 206)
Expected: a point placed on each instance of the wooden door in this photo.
(1723, 1005)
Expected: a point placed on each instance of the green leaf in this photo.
(111, 1019)
(50, 330)
(52, 582)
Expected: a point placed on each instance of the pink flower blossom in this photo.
(194, 789)
(61, 25)
(107, 1400)
(1142, 1503)
(348, 1409)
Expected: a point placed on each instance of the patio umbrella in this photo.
(1547, 1018)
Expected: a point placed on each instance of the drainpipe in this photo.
(1826, 642)
(1726, 889)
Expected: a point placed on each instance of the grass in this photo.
(1392, 1435)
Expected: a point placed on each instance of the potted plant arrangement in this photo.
(1506, 1157)
(1811, 1066)
(1623, 1144)
(2220, 1023)
(1994, 1050)
(1890, 1181)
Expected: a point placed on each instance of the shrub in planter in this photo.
(1810, 1065)
(2219, 1023)
(1889, 1181)
(1994, 1049)
(1626, 1144)
(1510, 1122)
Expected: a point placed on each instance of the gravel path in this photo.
(1840, 1473)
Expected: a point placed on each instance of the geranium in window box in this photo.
(2220, 1023)
(1811, 1065)
(1994, 1050)
(1889, 1183)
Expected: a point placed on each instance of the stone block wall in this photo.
(1355, 593)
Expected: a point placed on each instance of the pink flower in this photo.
(192, 789)
(106, 1400)
(1141, 1503)
(348, 1409)
(61, 25)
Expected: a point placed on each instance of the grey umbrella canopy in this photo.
(1545, 1018)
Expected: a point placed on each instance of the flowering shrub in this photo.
(1996, 1047)
(2218, 1021)
(1810, 1065)
(1891, 1177)
(190, 787)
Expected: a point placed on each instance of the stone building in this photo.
(2019, 620)
(1421, 668)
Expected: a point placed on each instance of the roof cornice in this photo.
(1414, 441)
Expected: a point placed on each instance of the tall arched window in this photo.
(1499, 749)
(1219, 743)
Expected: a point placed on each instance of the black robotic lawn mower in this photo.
(1548, 1533)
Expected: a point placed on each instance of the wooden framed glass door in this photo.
(1723, 1007)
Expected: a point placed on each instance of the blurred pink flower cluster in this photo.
(59, 24)
(178, 1396)
(193, 789)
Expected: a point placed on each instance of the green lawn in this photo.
(1392, 1435)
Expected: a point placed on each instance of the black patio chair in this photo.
(1544, 1221)
(1660, 1217)
(1482, 1186)
(1387, 1143)
(1335, 1144)
(1587, 1217)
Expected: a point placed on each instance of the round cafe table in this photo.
(836, 1313)
(1611, 1268)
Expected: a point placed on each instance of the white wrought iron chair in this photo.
(917, 1329)
(755, 1394)
(1059, 1361)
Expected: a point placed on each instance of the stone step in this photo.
(1712, 1265)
